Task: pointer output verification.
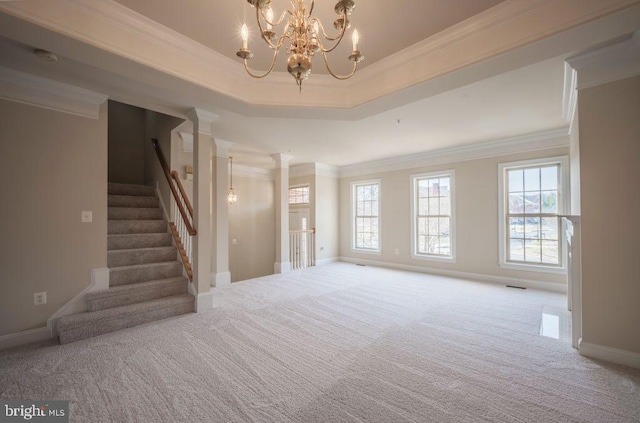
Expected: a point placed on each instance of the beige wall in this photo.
(476, 219)
(53, 166)
(327, 197)
(610, 173)
(126, 143)
(252, 224)
(158, 126)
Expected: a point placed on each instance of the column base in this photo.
(220, 279)
(204, 301)
(283, 267)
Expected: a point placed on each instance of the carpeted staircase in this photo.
(145, 277)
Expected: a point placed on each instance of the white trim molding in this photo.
(612, 355)
(451, 174)
(220, 279)
(24, 337)
(282, 267)
(564, 204)
(78, 304)
(314, 169)
(608, 64)
(204, 301)
(533, 142)
(325, 261)
(500, 280)
(41, 92)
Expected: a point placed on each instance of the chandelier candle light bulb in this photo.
(244, 33)
(269, 18)
(305, 37)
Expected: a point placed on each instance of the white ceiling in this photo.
(509, 95)
(385, 27)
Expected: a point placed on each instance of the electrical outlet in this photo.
(397, 251)
(234, 241)
(40, 298)
(86, 217)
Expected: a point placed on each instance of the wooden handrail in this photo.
(176, 177)
(167, 174)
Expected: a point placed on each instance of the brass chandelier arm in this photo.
(344, 77)
(256, 76)
(337, 38)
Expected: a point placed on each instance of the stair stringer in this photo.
(99, 282)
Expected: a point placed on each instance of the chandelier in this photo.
(305, 34)
(232, 197)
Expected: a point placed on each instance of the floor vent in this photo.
(516, 287)
(358, 264)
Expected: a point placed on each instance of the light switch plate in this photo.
(86, 217)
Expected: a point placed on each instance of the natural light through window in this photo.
(366, 214)
(533, 201)
(299, 195)
(433, 224)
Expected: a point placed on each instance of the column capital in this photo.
(282, 160)
(222, 147)
(203, 119)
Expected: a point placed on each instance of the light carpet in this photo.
(337, 343)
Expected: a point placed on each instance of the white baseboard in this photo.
(220, 279)
(612, 355)
(329, 260)
(282, 267)
(204, 301)
(99, 281)
(525, 283)
(24, 337)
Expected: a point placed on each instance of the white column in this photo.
(220, 275)
(202, 121)
(282, 264)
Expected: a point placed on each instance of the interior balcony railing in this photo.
(302, 248)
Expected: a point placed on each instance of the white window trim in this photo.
(563, 197)
(413, 210)
(353, 217)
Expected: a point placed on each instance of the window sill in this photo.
(370, 252)
(534, 268)
(433, 258)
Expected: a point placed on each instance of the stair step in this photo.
(127, 275)
(127, 189)
(132, 201)
(134, 213)
(115, 227)
(131, 294)
(135, 241)
(118, 258)
(86, 325)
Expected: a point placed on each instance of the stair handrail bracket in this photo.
(182, 228)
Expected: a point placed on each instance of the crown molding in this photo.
(187, 142)
(202, 119)
(314, 169)
(36, 91)
(609, 63)
(116, 29)
(569, 93)
(532, 142)
(282, 160)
